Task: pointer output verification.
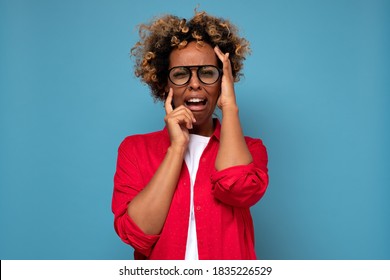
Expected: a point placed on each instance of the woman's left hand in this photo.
(227, 97)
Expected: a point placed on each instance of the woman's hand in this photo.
(178, 121)
(227, 98)
(150, 207)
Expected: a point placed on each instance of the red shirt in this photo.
(222, 199)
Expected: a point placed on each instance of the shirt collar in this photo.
(217, 130)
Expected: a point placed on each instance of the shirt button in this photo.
(198, 208)
(203, 159)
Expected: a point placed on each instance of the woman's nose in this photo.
(194, 82)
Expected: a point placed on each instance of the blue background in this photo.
(316, 90)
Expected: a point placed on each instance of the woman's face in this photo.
(197, 96)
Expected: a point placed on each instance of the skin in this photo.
(150, 207)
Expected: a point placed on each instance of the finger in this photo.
(224, 58)
(190, 114)
(188, 122)
(181, 119)
(168, 102)
(218, 52)
(184, 110)
(184, 116)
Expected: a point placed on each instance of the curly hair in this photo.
(162, 35)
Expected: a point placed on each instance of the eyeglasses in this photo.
(181, 75)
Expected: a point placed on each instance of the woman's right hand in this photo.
(150, 207)
(179, 121)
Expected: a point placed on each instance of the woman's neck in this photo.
(205, 129)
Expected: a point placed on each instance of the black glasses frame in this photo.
(199, 67)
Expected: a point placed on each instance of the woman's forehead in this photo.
(193, 54)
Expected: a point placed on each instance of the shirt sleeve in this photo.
(127, 184)
(243, 185)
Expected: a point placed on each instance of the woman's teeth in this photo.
(195, 100)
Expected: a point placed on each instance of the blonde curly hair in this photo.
(162, 35)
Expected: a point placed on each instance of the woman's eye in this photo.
(207, 72)
(180, 74)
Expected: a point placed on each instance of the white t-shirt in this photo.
(196, 146)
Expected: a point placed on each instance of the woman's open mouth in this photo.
(196, 104)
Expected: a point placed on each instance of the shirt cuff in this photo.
(131, 234)
(239, 186)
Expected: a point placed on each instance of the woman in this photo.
(184, 192)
